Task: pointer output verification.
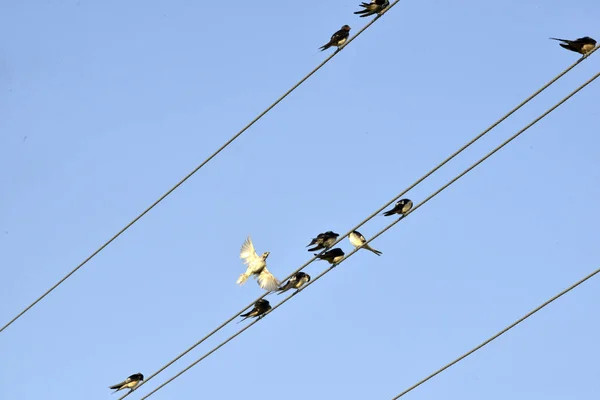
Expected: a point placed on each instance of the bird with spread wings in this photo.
(257, 267)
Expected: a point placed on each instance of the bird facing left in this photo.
(257, 267)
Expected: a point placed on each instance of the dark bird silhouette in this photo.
(130, 383)
(374, 7)
(582, 45)
(337, 39)
(358, 240)
(323, 240)
(402, 207)
(333, 256)
(260, 307)
(295, 282)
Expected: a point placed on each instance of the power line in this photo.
(460, 150)
(233, 138)
(497, 335)
(386, 229)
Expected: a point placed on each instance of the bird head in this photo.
(265, 255)
(307, 277)
(346, 28)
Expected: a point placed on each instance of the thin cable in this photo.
(503, 331)
(197, 168)
(369, 217)
(383, 231)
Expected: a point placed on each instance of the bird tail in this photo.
(267, 281)
(243, 278)
(388, 213)
(117, 386)
(561, 40)
(312, 242)
(325, 47)
(317, 247)
(366, 246)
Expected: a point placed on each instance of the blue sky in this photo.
(105, 105)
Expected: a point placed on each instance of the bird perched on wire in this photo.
(130, 383)
(358, 240)
(333, 256)
(337, 39)
(582, 45)
(374, 7)
(323, 240)
(402, 207)
(257, 266)
(295, 282)
(260, 307)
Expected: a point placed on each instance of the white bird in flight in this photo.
(257, 266)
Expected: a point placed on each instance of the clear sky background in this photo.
(105, 105)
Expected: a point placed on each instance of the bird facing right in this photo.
(402, 207)
(257, 266)
(296, 282)
(374, 7)
(260, 307)
(333, 256)
(130, 383)
(358, 241)
(337, 39)
(582, 45)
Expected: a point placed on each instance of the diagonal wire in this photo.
(161, 198)
(497, 335)
(372, 215)
(386, 229)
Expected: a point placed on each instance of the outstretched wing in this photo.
(267, 281)
(247, 253)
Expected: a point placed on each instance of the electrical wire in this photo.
(497, 335)
(383, 231)
(233, 138)
(421, 179)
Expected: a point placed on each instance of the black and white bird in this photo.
(323, 240)
(333, 256)
(358, 240)
(402, 207)
(374, 7)
(130, 383)
(582, 45)
(257, 267)
(296, 282)
(260, 307)
(337, 39)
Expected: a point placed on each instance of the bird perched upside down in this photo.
(374, 7)
(582, 45)
(358, 240)
(333, 256)
(295, 282)
(323, 240)
(337, 39)
(257, 267)
(402, 207)
(260, 307)
(130, 383)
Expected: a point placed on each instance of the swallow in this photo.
(402, 207)
(130, 383)
(337, 39)
(333, 256)
(359, 240)
(257, 267)
(375, 7)
(582, 45)
(295, 282)
(260, 307)
(323, 240)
